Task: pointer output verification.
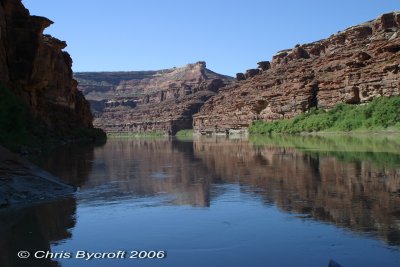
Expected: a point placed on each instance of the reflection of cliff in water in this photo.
(345, 181)
(38, 227)
(72, 163)
(362, 195)
(143, 167)
(32, 229)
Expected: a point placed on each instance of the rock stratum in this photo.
(149, 101)
(352, 66)
(34, 67)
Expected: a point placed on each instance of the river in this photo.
(279, 201)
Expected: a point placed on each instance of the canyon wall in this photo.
(34, 67)
(352, 66)
(149, 101)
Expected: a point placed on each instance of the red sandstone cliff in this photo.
(35, 68)
(36, 76)
(149, 101)
(352, 66)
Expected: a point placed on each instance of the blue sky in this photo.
(231, 36)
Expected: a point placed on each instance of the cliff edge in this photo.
(39, 104)
(35, 69)
(352, 66)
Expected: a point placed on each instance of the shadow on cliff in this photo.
(22, 132)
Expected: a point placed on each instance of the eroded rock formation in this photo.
(35, 68)
(352, 66)
(149, 101)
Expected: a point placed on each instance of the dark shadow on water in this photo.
(72, 163)
(33, 229)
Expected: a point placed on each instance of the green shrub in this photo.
(381, 113)
(184, 133)
(135, 134)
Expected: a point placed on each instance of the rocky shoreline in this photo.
(22, 182)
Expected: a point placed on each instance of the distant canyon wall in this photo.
(34, 67)
(352, 66)
(149, 101)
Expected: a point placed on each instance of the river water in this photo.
(281, 201)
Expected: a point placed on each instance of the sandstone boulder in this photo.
(264, 65)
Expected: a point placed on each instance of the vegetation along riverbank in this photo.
(381, 114)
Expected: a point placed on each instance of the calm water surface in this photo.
(216, 202)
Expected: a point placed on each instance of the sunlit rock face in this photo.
(149, 101)
(352, 66)
(35, 68)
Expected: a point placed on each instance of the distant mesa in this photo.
(149, 101)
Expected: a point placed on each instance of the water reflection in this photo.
(343, 183)
(146, 168)
(32, 229)
(350, 182)
(38, 227)
(72, 163)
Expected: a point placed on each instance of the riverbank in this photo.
(22, 182)
(136, 135)
(380, 115)
(187, 133)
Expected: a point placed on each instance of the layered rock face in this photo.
(35, 68)
(149, 101)
(353, 66)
